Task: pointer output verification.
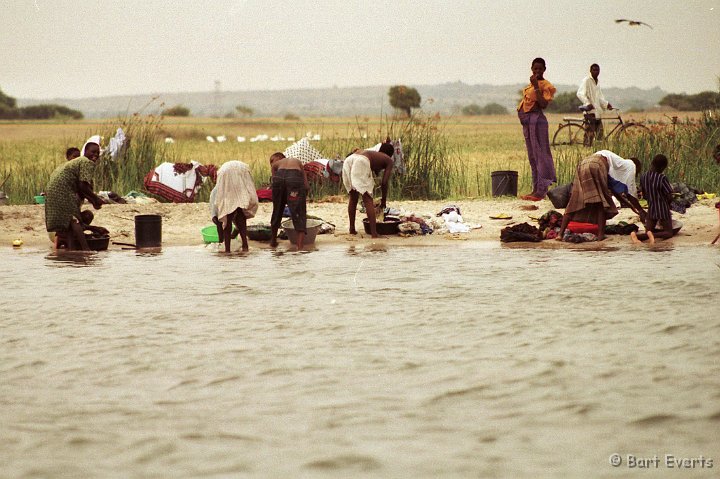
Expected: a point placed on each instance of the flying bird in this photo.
(632, 23)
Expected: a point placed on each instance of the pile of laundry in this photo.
(132, 197)
(453, 220)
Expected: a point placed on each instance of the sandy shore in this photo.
(182, 222)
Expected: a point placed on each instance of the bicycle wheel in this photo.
(633, 131)
(569, 134)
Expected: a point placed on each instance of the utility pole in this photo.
(217, 98)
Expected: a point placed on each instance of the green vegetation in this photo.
(177, 110)
(404, 98)
(490, 109)
(688, 145)
(567, 102)
(10, 111)
(445, 157)
(706, 100)
(244, 110)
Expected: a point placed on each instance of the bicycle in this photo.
(579, 131)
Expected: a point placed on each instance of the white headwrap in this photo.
(93, 139)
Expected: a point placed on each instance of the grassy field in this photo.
(454, 156)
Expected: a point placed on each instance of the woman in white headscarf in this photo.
(234, 200)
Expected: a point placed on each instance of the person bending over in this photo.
(235, 200)
(289, 187)
(357, 174)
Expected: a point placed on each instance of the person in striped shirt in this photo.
(658, 193)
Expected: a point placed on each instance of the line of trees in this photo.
(474, 109)
(10, 111)
(705, 100)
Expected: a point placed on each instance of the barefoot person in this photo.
(357, 174)
(289, 187)
(591, 200)
(69, 185)
(235, 200)
(536, 97)
(658, 193)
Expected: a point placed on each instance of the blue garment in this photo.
(617, 187)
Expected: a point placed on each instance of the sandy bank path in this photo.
(182, 223)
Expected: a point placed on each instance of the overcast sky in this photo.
(82, 48)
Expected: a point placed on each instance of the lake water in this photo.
(467, 360)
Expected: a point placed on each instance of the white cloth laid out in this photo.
(357, 174)
(621, 169)
(454, 223)
(303, 151)
(235, 189)
(590, 93)
(93, 139)
(181, 182)
(116, 144)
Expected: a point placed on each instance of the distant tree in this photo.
(177, 110)
(7, 101)
(244, 110)
(404, 98)
(291, 117)
(47, 111)
(704, 100)
(567, 102)
(472, 109)
(494, 109)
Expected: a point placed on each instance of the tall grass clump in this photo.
(433, 165)
(688, 146)
(144, 150)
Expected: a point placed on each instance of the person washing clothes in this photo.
(289, 187)
(235, 200)
(357, 174)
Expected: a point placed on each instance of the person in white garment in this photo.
(594, 103)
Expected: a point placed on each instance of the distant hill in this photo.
(447, 98)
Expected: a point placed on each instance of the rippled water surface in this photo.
(472, 360)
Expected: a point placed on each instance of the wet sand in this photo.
(181, 223)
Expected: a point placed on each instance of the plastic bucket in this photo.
(504, 183)
(148, 231)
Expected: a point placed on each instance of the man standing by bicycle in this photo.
(593, 104)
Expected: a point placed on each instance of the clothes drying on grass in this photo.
(178, 182)
(235, 189)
